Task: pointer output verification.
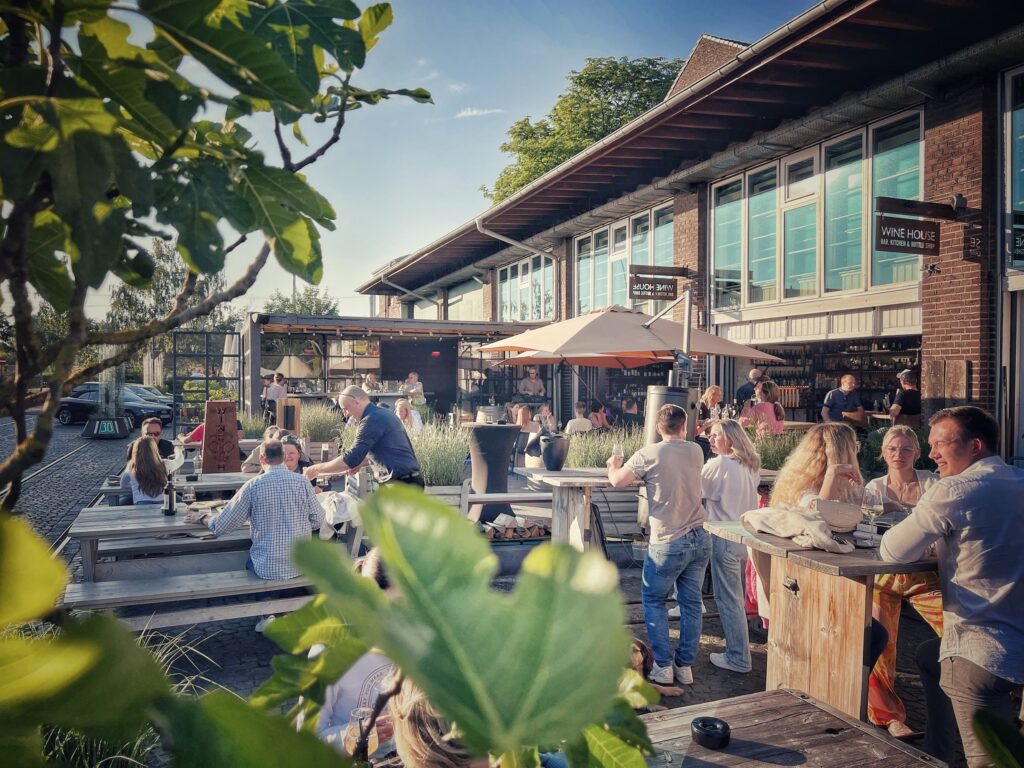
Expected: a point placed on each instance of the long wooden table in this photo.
(779, 727)
(820, 615)
(205, 483)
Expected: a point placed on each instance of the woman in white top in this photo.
(409, 416)
(729, 485)
(901, 487)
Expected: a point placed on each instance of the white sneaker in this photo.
(683, 675)
(674, 613)
(262, 623)
(720, 661)
(660, 675)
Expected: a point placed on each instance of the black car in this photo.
(78, 409)
(137, 390)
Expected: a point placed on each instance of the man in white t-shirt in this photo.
(581, 423)
(680, 548)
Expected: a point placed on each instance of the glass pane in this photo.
(639, 240)
(549, 289)
(524, 302)
(513, 303)
(844, 214)
(762, 194)
(619, 237)
(1017, 169)
(663, 237)
(895, 168)
(600, 269)
(800, 251)
(504, 310)
(800, 179)
(728, 245)
(583, 253)
(619, 269)
(535, 290)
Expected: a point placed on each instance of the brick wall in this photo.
(959, 300)
(689, 232)
(708, 55)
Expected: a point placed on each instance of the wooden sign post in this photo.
(220, 438)
(289, 414)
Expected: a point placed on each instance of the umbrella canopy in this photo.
(537, 357)
(620, 331)
(294, 367)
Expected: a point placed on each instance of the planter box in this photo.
(449, 494)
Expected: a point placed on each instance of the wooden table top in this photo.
(131, 521)
(778, 727)
(744, 534)
(594, 477)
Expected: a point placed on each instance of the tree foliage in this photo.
(107, 142)
(308, 301)
(603, 96)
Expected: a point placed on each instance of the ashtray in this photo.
(191, 478)
(710, 732)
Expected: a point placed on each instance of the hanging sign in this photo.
(895, 235)
(656, 288)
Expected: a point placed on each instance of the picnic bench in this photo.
(779, 727)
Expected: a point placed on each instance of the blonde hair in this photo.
(901, 430)
(804, 469)
(770, 394)
(146, 467)
(422, 736)
(399, 405)
(706, 397)
(742, 449)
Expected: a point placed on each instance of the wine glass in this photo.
(356, 722)
(871, 504)
(617, 451)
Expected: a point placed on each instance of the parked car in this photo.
(136, 389)
(78, 409)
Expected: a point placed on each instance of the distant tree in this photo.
(308, 301)
(603, 96)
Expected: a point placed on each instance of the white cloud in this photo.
(477, 112)
(456, 87)
(431, 75)
(422, 62)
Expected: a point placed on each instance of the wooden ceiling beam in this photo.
(808, 62)
(884, 19)
(842, 41)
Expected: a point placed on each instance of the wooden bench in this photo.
(108, 595)
(156, 545)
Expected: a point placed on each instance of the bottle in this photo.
(197, 464)
(169, 500)
(877, 406)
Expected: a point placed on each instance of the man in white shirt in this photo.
(679, 549)
(974, 517)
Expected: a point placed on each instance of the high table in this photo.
(570, 501)
(820, 615)
(782, 727)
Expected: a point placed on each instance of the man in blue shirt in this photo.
(380, 439)
(978, 531)
(843, 400)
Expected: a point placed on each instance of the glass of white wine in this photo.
(871, 505)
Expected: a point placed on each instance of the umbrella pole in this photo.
(582, 380)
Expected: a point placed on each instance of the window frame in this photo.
(523, 279)
(867, 212)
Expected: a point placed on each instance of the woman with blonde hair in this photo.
(422, 736)
(409, 416)
(767, 414)
(145, 474)
(729, 485)
(901, 487)
(251, 465)
(712, 396)
(822, 466)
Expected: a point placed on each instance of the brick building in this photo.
(761, 171)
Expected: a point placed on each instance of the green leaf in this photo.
(311, 624)
(636, 691)
(47, 273)
(111, 700)
(32, 669)
(624, 723)
(292, 190)
(30, 580)
(609, 751)
(135, 270)
(22, 747)
(531, 667)
(1000, 740)
(375, 20)
(220, 730)
(239, 58)
(577, 753)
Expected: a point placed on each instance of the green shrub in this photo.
(321, 423)
(773, 449)
(252, 426)
(441, 452)
(592, 449)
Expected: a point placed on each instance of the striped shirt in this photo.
(282, 509)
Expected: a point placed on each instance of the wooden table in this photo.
(820, 615)
(780, 727)
(570, 501)
(882, 418)
(245, 444)
(222, 481)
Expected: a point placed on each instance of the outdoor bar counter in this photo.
(820, 615)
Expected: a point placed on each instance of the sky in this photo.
(404, 174)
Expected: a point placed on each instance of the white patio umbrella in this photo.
(538, 357)
(622, 332)
(294, 367)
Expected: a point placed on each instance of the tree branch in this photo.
(335, 134)
(54, 63)
(286, 155)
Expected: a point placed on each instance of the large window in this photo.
(728, 244)
(602, 258)
(526, 290)
(466, 301)
(800, 227)
(1015, 157)
(896, 172)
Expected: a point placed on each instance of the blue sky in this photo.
(405, 173)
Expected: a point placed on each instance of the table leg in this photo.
(818, 635)
(570, 516)
(89, 549)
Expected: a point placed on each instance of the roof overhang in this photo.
(836, 47)
(388, 326)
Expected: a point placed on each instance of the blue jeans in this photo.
(728, 564)
(678, 565)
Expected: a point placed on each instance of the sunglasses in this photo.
(154, 434)
(290, 440)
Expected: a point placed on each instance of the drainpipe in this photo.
(407, 292)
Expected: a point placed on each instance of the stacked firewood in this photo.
(515, 527)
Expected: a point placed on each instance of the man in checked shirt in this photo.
(281, 509)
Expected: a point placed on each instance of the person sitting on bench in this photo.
(281, 509)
